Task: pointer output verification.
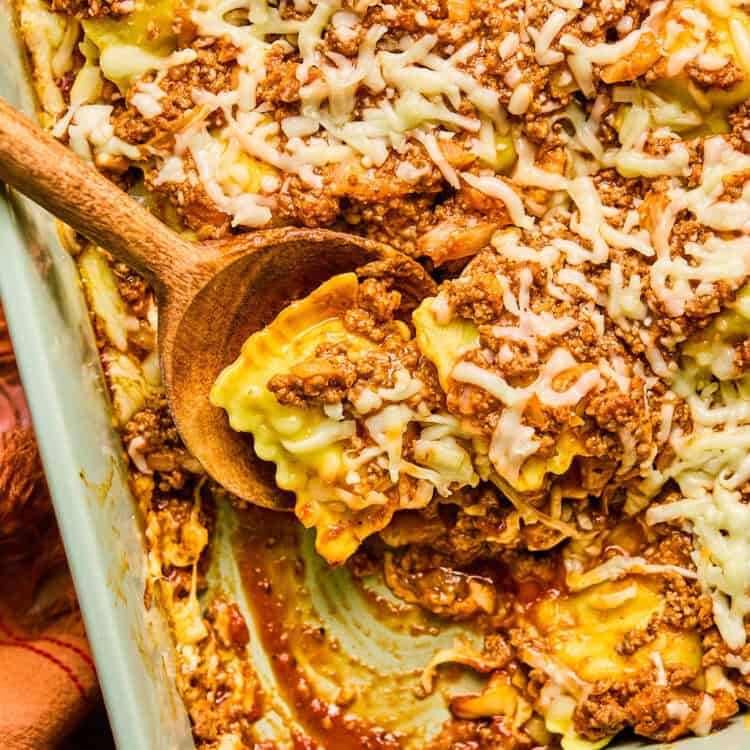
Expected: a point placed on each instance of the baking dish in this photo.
(98, 518)
(60, 370)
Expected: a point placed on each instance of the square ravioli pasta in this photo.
(549, 452)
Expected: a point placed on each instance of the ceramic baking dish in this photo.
(98, 518)
(87, 477)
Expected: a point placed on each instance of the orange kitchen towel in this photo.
(47, 677)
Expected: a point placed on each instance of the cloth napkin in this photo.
(47, 676)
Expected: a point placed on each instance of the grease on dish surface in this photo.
(360, 650)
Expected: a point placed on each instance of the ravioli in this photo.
(583, 630)
(129, 47)
(445, 345)
(711, 37)
(305, 444)
(581, 633)
(346, 462)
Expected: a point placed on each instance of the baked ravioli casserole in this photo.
(552, 450)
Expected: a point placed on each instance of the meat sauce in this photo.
(267, 539)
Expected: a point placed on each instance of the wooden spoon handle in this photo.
(54, 177)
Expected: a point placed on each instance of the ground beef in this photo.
(493, 734)
(155, 447)
(212, 70)
(133, 290)
(609, 707)
(334, 374)
(222, 692)
(299, 205)
(325, 379)
(190, 201)
(739, 122)
(281, 85)
(724, 78)
(93, 8)
(419, 576)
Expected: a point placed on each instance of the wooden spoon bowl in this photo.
(211, 296)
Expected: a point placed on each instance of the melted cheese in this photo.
(721, 523)
(616, 568)
(512, 446)
(497, 188)
(559, 362)
(91, 134)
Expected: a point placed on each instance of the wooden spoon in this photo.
(211, 296)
